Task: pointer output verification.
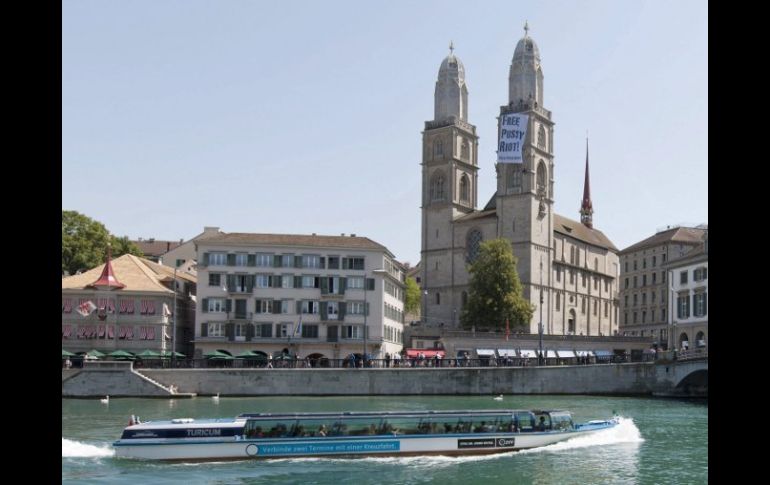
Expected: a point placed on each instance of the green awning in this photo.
(167, 355)
(148, 354)
(95, 353)
(121, 353)
(64, 354)
(215, 353)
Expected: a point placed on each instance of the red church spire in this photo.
(107, 280)
(586, 209)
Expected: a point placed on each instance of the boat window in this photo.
(546, 420)
(357, 426)
(275, 428)
(525, 421)
(561, 421)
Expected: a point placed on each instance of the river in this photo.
(658, 441)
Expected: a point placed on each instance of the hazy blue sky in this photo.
(306, 116)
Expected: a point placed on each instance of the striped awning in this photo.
(527, 354)
(550, 354)
(485, 352)
(566, 354)
(506, 352)
(584, 353)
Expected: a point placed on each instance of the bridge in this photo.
(685, 377)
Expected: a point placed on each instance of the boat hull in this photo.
(382, 445)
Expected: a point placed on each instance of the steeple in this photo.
(107, 281)
(451, 95)
(525, 78)
(586, 209)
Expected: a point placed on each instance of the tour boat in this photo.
(268, 435)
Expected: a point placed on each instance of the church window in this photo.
(558, 301)
(541, 137)
(513, 178)
(437, 187)
(606, 309)
(572, 254)
(464, 189)
(464, 150)
(438, 148)
(583, 306)
(596, 307)
(596, 264)
(472, 243)
(541, 179)
(438, 298)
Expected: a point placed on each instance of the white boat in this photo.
(268, 435)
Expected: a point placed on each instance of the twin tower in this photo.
(520, 210)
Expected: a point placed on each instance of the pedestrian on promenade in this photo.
(269, 361)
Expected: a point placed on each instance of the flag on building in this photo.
(298, 330)
(86, 308)
(192, 297)
(166, 311)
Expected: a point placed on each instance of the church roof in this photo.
(451, 65)
(677, 234)
(477, 215)
(575, 229)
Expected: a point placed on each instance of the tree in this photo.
(84, 243)
(412, 304)
(495, 292)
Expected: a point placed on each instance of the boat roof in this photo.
(367, 414)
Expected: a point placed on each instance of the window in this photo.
(541, 137)
(644, 263)
(644, 280)
(683, 306)
(636, 300)
(654, 261)
(309, 307)
(634, 317)
(635, 282)
(596, 284)
(284, 306)
(308, 281)
(353, 263)
(438, 298)
(634, 265)
(699, 304)
(287, 281)
(583, 306)
(309, 331)
(513, 177)
(240, 330)
(626, 282)
(215, 279)
(683, 278)
(217, 305)
(652, 298)
(332, 310)
(282, 329)
(700, 274)
(558, 301)
(662, 276)
(596, 307)
(464, 150)
(606, 309)
(355, 307)
(626, 266)
(664, 258)
(571, 277)
(263, 281)
(541, 178)
(625, 300)
(644, 298)
(583, 280)
(572, 254)
(311, 261)
(464, 190)
(437, 187)
(179, 262)
(438, 148)
(663, 314)
(264, 260)
(334, 262)
(264, 330)
(217, 259)
(625, 318)
(352, 331)
(241, 259)
(264, 306)
(606, 285)
(216, 330)
(472, 243)
(558, 274)
(287, 260)
(654, 277)
(355, 282)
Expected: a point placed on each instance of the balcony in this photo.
(240, 316)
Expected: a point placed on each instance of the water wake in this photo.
(76, 449)
(625, 432)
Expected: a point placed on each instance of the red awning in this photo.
(429, 353)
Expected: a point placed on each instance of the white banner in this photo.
(513, 130)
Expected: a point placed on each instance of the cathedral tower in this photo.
(449, 185)
(524, 199)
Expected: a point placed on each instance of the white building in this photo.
(689, 318)
(305, 294)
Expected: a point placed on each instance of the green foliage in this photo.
(495, 290)
(84, 243)
(412, 304)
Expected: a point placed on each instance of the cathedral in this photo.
(568, 269)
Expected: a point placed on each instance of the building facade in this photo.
(688, 317)
(305, 295)
(131, 308)
(644, 291)
(568, 269)
(184, 254)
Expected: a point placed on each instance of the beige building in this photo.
(568, 269)
(184, 255)
(688, 318)
(131, 308)
(309, 295)
(644, 292)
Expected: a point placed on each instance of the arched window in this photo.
(437, 187)
(541, 178)
(541, 137)
(513, 178)
(464, 189)
(438, 148)
(472, 243)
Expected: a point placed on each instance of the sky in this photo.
(300, 117)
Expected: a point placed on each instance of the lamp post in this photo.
(173, 328)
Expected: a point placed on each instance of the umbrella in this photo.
(250, 354)
(121, 354)
(95, 353)
(216, 353)
(167, 355)
(221, 357)
(64, 354)
(148, 354)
